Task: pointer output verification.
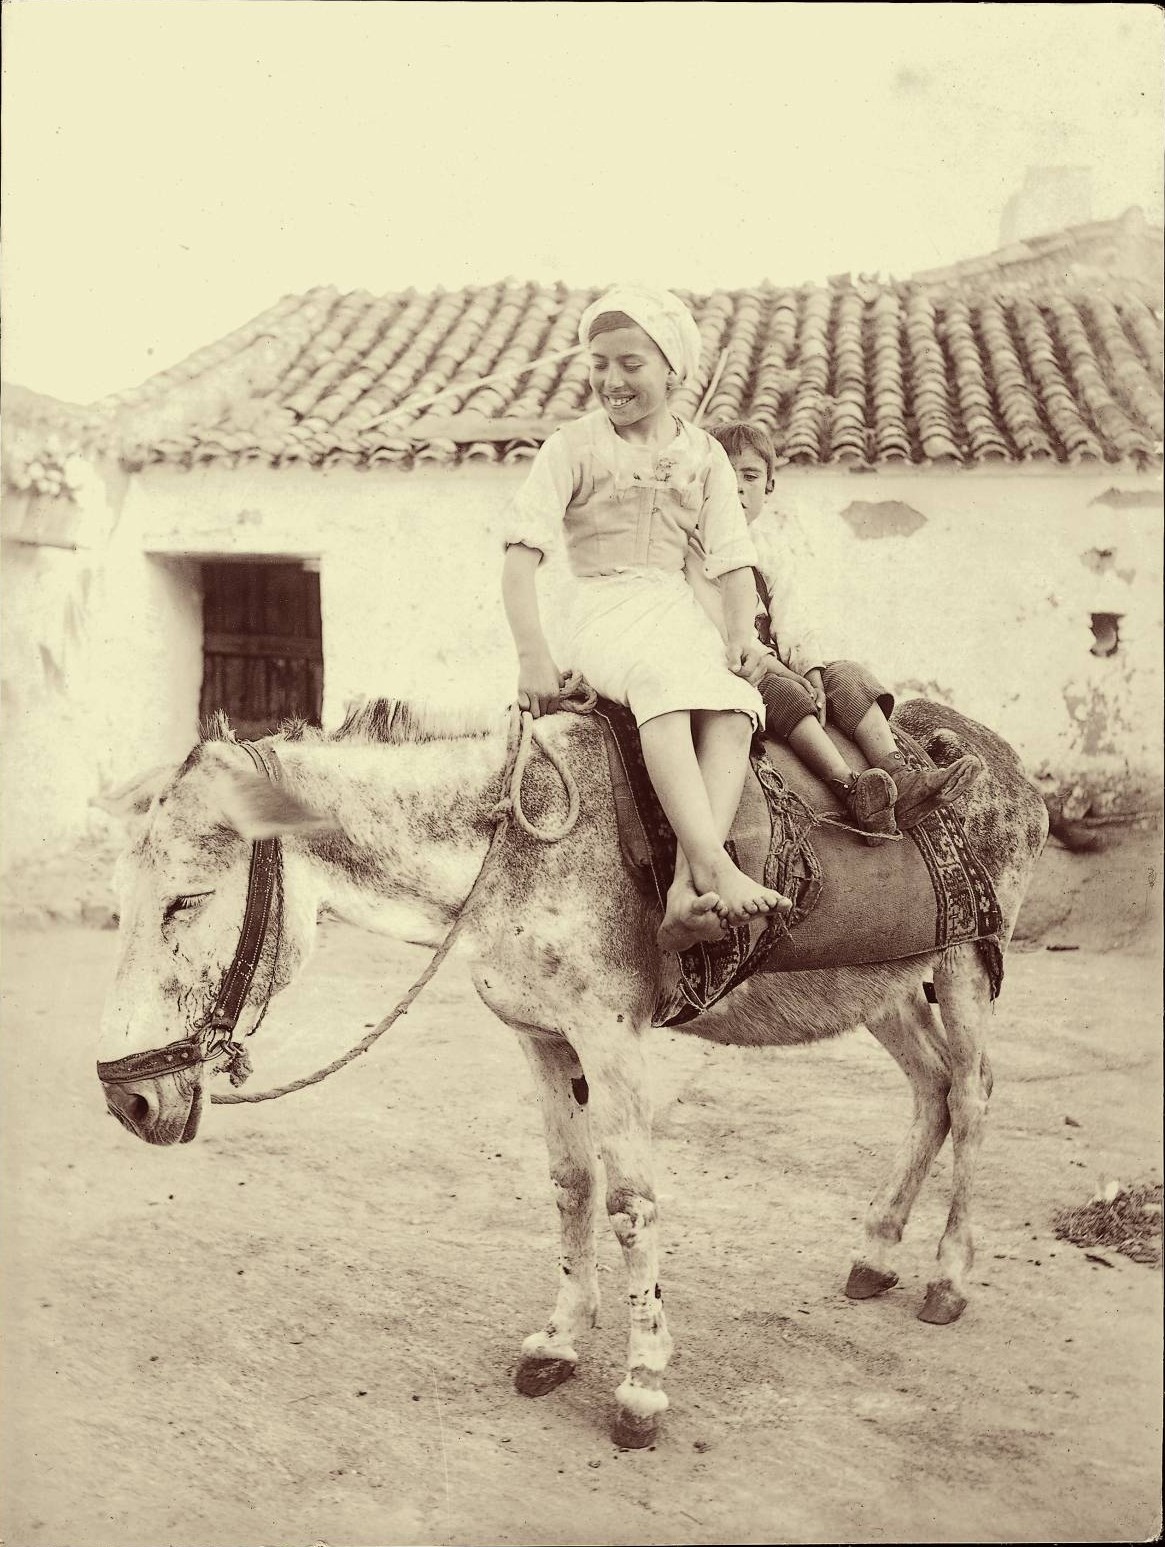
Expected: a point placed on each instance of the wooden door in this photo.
(263, 658)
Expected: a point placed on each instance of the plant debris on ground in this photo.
(1129, 1223)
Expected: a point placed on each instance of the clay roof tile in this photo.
(874, 370)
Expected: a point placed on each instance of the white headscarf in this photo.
(662, 316)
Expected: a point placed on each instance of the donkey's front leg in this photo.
(550, 1356)
(616, 1066)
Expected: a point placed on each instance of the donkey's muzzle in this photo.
(163, 1110)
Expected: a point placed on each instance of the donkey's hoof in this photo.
(865, 1282)
(634, 1431)
(943, 1303)
(537, 1377)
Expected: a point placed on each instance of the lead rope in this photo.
(577, 698)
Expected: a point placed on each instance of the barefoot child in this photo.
(627, 486)
(800, 689)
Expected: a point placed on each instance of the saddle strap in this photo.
(633, 839)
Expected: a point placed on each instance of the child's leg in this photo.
(699, 796)
(850, 688)
(873, 736)
(791, 715)
(809, 741)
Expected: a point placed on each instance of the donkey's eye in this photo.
(183, 905)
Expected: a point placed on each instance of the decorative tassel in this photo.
(236, 1064)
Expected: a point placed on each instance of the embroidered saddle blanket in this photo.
(853, 902)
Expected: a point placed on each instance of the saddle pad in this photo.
(853, 903)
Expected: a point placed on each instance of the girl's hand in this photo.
(817, 685)
(539, 683)
(749, 659)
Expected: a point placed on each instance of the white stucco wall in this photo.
(100, 674)
(986, 604)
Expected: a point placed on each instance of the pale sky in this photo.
(172, 167)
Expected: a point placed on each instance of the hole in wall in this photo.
(1106, 633)
(1129, 499)
(882, 518)
(1098, 560)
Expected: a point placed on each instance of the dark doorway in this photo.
(262, 644)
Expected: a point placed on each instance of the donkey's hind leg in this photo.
(964, 997)
(910, 1034)
(550, 1356)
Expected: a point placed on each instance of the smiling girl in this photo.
(625, 488)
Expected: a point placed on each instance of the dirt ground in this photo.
(302, 1327)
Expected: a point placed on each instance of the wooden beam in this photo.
(271, 646)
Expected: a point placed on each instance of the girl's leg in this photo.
(722, 738)
(699, 797)
(691, 916)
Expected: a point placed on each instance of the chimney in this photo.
(1051, 199)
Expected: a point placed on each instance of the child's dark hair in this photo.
(741, 436)
(607, 322)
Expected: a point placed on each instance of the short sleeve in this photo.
(723, 529)
(534, 516)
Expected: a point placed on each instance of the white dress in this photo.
(635, 629)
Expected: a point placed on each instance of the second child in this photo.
(801, 689)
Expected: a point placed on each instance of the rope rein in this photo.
(577, 698)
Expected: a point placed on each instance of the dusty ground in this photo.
(301, 1328)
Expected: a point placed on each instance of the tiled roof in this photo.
(863, 374)
(1128, 250)
(40, 433)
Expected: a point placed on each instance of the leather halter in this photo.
(215, 1033)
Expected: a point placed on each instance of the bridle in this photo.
(215, 1034)
(214, 1037)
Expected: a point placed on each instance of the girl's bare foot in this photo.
(690, 918)
(740, 898)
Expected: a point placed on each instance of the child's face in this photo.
(628, 375)
(752, 481)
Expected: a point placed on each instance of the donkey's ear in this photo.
(134, 797)
(256, 808)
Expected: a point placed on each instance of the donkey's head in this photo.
(184, 883)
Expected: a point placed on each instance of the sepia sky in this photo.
(172, 167)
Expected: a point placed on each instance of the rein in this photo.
(215, 1035)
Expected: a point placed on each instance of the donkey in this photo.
(388, 821)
